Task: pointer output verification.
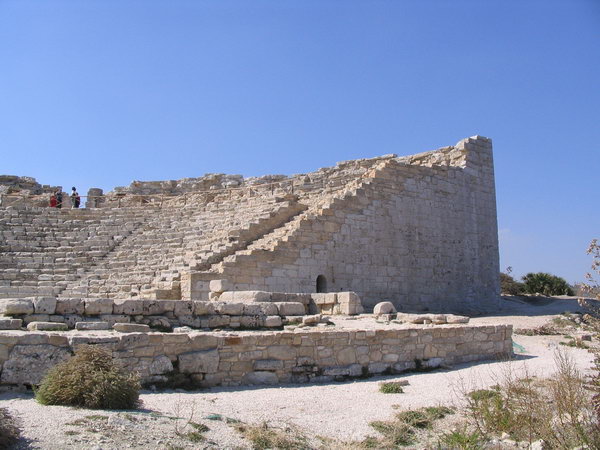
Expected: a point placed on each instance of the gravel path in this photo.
(338, 410)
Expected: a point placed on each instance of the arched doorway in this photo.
(321, 283)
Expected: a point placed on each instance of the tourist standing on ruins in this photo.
(58, 199)
(75, 199)
(53, 201)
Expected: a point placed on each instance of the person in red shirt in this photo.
(53, 201)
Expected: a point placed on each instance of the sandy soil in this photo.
(341, 411)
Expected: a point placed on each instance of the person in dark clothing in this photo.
(58, 196)
(75, 199)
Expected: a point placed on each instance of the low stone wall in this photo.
(267, 357)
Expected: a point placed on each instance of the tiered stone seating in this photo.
(149, 263)
(43, 249)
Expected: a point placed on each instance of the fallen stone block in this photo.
(384, 308)
(89, 326)
(46, 326)
(16, 306)
(10, 324)
(130, 327)
(312, 320)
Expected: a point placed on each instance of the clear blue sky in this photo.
(102, 92)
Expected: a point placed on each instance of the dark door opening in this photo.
(321, 283)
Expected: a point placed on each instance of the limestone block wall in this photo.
(245, 310)
(422, 233)
(246, 358)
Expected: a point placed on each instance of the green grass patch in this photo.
(391, 387)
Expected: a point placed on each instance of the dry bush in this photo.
(90, 379)
(558, 410)
(9, 432)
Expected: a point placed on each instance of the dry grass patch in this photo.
(265, 436)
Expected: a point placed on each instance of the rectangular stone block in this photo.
(97, 306)
(202, 308)
(245, 296)
(10, 324)
(205, 361)
(131, 327)
(158, 307)
(291, 309)
(70, 306)
(129, 307)
(46, 326)
(16, 306)
(88, 326)
(183, 308)
(232, 309)
(44, 305)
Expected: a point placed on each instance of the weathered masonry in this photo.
(419, 231)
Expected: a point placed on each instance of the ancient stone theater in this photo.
(233, 280)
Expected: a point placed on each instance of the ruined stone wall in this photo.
(243, 358)
(421, 233)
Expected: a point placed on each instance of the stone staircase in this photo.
(343, 197)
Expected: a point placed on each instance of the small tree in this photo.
(508, 285)
(546, 284)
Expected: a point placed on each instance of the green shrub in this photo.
(546, 284)
(90, 379)
(391, 387)
(9, 433)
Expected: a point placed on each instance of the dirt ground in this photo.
(333, 415)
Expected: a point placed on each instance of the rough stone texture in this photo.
(291, 309)
(44, 305)
(95, 306)
(46, 326)
(10, 324)
(248, 357)
(29, 363)
(130, 327)
(92, 326)
(206, 361)
(13, 306)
